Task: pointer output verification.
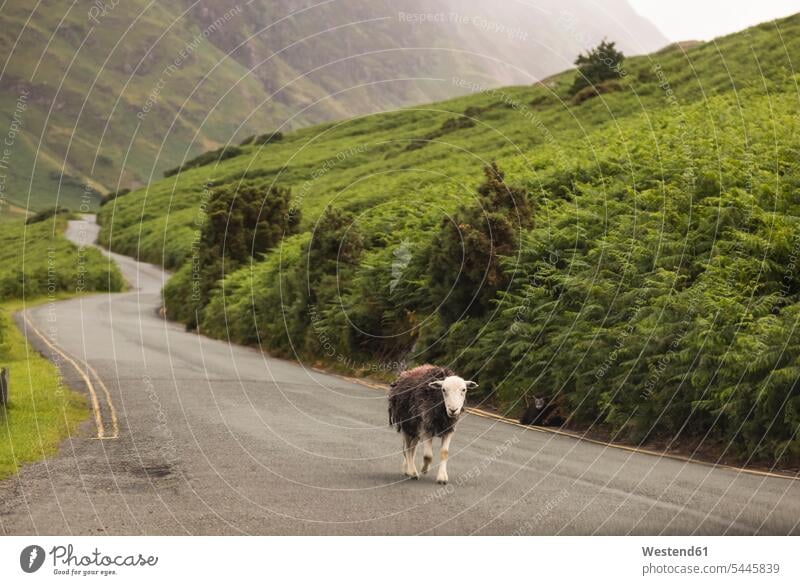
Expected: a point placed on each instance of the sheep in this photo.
(542, 412)
(424, 403)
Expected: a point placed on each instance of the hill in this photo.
(104, 96)
(647, 285)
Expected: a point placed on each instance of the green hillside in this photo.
(651, 289)
(80, 92)
(103, 96)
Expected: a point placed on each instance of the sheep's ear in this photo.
(471, 384)
(436, 384)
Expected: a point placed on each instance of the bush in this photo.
(327, 263)
(599, 64)
(206, 158)
(111, 196)
(242, 222)
(262, 139)
(465, 271)
(46, 214)
(265, 139)
(292, 303)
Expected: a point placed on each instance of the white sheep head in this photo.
(454, 390)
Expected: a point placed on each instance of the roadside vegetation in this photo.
(42, 411)
(627, 247)
(36, 260)
(242, 224)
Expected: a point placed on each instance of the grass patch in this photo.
(42, 410)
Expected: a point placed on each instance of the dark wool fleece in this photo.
(414, 408)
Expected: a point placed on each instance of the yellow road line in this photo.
(552, 431)
(98, 419)
(114, 419)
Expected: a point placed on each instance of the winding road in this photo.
(196, 436)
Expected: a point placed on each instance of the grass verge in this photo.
(42, 410)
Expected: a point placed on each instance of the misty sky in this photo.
(683, 20)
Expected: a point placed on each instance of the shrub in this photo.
(599, 64)
(465, 271)
(111, 196)
(242, 222)
(327, 263)
(262, 139)
(47, 214)
(206, 158)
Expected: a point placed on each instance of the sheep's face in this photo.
(454, 391)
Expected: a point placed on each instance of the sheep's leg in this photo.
(405, 454)
(427, 453)
(441, 477)
(411, 451)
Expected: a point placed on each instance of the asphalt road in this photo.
(203, 437)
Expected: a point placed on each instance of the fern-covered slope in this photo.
(656, 293)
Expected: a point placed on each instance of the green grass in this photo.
(42, 411)
(651, 295)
